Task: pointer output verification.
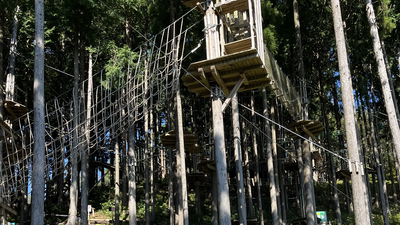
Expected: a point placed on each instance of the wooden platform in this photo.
(169, 140)
(305, 127)
(206, 166)
(229, 6)
(226, 71)
(193, 177)
(15, 109)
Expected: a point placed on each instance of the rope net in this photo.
(121, 96)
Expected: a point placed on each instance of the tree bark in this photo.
(270, 162)
(224, 210)
(38, 170)
(117, 180)
(10, 83)
(275, 159)
(86, 149)
(383, 76)
(238, 162)
(250, 211)
(257, 172)
(330, 156)
(132, 172)
(360, 199)
(73, 193)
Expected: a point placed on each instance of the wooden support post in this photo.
(251, 14)
(232, 94)
(203, 77)
(224, 210)
(219, 80)
(238, 161)
(211, 32)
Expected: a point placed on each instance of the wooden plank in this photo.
(304, 128)
(219, 80)
(8, 209)
(238, 46)
(203, 77)
(243, 76)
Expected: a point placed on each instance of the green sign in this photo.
(322, 216)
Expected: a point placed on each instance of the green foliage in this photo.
(120, 66)
(388, 17)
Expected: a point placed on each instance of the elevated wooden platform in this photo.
(193, 177)
(308, 127)
(226, 71)
(341, 174)
(15, 109)
(169, 140)
(206, 166)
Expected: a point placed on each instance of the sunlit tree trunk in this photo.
(270, 162)
(360, 199)
(10, 83)
(37, 195)
(73, 193)
(383, 76)
(238, 162)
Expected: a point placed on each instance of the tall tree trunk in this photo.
(238, 162)
(153, 212)
(131, 171)
(257, 172)
(250, 210)
(181, 164)
(146, 148)
(10, 83)
(361, 202)
(394, 189)
(270, 162)
(378, 171)
(383, 76)
(86, 148)
(73, 193)
(2, 18)
(275, 159)
(224, 211)
(307, 169)
(37, 215)
(117, 180)
(330, 156)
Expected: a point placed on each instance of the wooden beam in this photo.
(304, 128)
(245, 80)
(219, 80)
(233, 92)
(9, 109)
(203, 77)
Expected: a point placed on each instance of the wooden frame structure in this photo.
(237, 61)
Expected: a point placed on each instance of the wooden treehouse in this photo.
(237, 59)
